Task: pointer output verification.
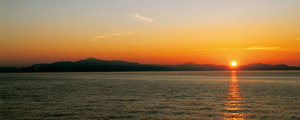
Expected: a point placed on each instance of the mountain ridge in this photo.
(98, 65)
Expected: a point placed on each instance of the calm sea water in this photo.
(151, 95)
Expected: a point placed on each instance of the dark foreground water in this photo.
(151, 95)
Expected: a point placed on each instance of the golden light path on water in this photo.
(234, 101)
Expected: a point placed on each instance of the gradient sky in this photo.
(150, 31)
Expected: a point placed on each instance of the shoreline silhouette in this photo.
(98, 65)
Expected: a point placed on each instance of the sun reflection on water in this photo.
(234, 102)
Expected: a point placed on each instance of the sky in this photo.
(150, 31)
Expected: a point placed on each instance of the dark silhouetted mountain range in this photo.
(97, 65)
(259, 66)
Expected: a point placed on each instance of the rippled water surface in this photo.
(151, 95)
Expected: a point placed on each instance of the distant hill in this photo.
(97, 65)
(196, 67)
(259, 66)
(87, 65)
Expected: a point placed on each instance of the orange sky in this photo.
(156, 32)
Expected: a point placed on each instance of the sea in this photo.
(224, 95)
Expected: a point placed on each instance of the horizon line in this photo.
(148, 64)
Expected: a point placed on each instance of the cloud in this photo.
(261, 48)
(249, 48)
(140, 18)
(297, 39)
(109, 35)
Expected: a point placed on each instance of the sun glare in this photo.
(233, 63)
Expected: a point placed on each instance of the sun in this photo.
(233, 63)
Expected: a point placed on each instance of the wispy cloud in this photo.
(261, 48)
(109, 35)
(215, 49)
(140, 18)
(248, 48)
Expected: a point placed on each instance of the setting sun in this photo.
(233, 63)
